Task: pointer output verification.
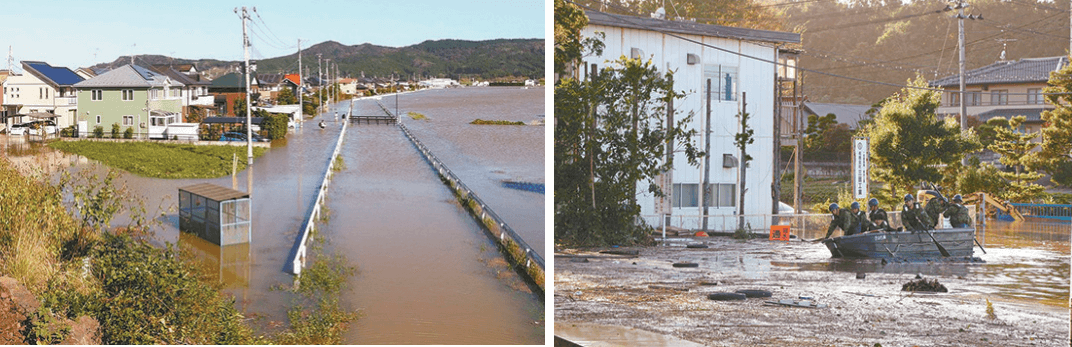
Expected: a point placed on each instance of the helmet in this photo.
(909, 197)
(872, 202)
(833, 207)
(854, 206)
(957, 198)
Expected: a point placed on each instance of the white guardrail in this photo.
(298, 257)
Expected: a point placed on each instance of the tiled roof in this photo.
(128, 76)
(293, 78)
(53, 75)
(1032, 114)
(232, 80)
(689, 28)
(1028, 70)
(176, 75)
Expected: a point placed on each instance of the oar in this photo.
(980, 245)
(945, 253)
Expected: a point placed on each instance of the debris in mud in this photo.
(696, 245)
(579, 260)
(708, 283)
(621, 252)
(861, 275)
(686, 264)
(724, 296)
(662, 287)
(924, 285)
(755, 293)
(794, 303)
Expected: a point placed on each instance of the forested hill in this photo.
(880, 40)
(491, 59)
(891, 42)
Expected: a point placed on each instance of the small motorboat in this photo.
(957, 242)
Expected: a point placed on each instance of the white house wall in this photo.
(755, 78)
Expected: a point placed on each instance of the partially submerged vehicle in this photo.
(938, 243)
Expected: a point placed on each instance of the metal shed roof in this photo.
(690, 28)
(214, 192)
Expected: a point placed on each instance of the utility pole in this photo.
(960, 5)
(249, 115)
(705, 191)
(319, 81)
(776, 185)
(301, 106)
(744, 160)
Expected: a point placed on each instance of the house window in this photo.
(685, 195)
(40, 93)
(954, 99)
(999, 97)
(95, 95)
(1034, 96)
(128, 94)
(98, 119)
(727, 195)
(46, 93)
(154, 94)
(128, 120)
(974, 98)
(723, 82)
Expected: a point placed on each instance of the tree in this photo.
(826, 137)
(736, 13)
(569, 44)
(909, 142)
(610, 135)
(286, 97)
(1057, 132)
(240, 107)
(1015, 146)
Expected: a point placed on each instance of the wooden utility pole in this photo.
(776, 185)
(743, 162)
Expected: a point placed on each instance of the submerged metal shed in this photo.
(217, 214)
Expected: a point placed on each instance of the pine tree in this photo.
(1015, 146)
(1057, 132)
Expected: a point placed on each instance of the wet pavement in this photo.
(1025, 276)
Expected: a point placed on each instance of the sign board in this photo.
(662, 204)
(860, 156)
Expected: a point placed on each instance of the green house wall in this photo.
(112, 108)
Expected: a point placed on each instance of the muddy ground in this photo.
(645, 292)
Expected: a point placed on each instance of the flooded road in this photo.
(1025, 276)
(484, 156)
(427, 273)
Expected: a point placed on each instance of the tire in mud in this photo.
(686, 265)
(724, 296)
(755, 293)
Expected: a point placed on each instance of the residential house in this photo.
(229, 88)
(42, 88)
(85, 72)
(194, 92)
(728, 58)
(270, 85)
(1003, 89)
(293, 81)
(348, 85)
(131, 96)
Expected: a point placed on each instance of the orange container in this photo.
(779, 232)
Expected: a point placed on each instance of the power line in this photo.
(674, 35)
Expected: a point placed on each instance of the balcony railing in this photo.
(202, 100)
(66, 100)
(989, 103)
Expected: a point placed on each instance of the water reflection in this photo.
(229, 265)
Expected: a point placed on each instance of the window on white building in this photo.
(685, 195)
(723, 82)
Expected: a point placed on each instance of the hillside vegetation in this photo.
(486, 60)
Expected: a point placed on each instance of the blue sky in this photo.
(70, 33)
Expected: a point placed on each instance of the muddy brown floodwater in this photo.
(427, 273)
(1025, 276)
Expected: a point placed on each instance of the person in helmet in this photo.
(934, 209)
(957, 213)
(860, 223)
(912, 216)
(877, 216)
(842, 219)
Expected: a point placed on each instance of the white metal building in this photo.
(732, 76)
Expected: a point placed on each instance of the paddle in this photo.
(980, 245)
(945, 253)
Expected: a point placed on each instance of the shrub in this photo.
(98, 132)
(129, 133)
(115, 130)
(276, 126)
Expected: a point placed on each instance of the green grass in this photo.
(479, 121)
(161, 160)
(416, 116)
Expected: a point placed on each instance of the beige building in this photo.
(1003, 89)
(41, 88)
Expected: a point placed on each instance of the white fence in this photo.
(298, 256)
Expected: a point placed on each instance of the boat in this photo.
(958, 242)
